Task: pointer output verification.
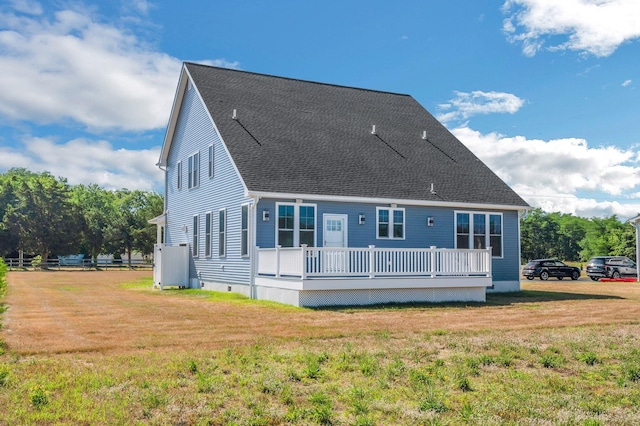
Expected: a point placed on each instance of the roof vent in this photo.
(234, 116)
(373, 130)
(432, 190)
(424, 134)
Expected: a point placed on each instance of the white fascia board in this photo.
(365, 200)
(173, 118)
(634, 220)
(158, 220)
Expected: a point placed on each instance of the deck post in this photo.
(278, 261)
(372, 261)
(432, 255)
(303, 272)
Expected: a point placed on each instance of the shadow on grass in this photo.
(493, 299)
(535, 296)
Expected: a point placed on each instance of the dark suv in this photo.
(620, 266)
(596, 268)
(545, 268)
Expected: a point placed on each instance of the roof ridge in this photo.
(341, 86)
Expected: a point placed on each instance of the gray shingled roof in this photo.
(302, 137)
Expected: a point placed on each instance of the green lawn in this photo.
(569, 376)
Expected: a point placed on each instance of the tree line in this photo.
(572, 238)
(44, 215)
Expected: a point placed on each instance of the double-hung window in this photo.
(296, 225)
(196, 229)
(390, 223)
(479, 230)
(210, 161)
(244, 230)
(194, 170)
(222, 232)
(207, 234)
(179, 175)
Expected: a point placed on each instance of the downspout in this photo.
(254, 252)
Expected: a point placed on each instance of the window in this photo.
(210, 161)
(390, 223)
(307, 225)
(207, 235)
(244, 231)
(462, 230)
(194, 170)
(479, 231)
(222, 232)
(194, 243)
(495, 234)
(296, 225)
(179, 173)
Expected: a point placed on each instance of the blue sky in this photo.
(547, 93)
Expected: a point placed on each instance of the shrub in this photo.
(4, 375)
(551, 360)
(589, 358)
(38, 396)
(3, 279)
(36, 262)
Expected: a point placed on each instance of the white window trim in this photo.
(487, 234)
(193, 173)
(242, 206)
(195, 238)
(222, 235)
(208, 239)
(296, 222)
(391, 223)
(210, 162)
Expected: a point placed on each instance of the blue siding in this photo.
(195, 133)
(417, 233)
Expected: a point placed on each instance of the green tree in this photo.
(97, 207)
(129, 230)
(571, 231)
(8, 236)
(538, 236)
(41, 213)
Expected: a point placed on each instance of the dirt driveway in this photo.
(82, 311)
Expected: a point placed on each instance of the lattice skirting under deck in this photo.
(382, 296)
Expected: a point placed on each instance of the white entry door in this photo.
(335, 235)
(335, 230)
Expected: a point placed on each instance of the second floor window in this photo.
(194, 170)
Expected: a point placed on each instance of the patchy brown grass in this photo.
(91, 348)
(65, 312)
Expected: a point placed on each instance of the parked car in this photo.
(545, 268)
(620, 266)
(596, 268)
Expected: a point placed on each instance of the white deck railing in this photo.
(319, 262)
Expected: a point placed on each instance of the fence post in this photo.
(278, 261)
(432, 255)
(304, 261)
(372, 261)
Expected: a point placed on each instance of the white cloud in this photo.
(466, 105)
(85, 161)
(27, 6)
(71, 67)
(626, 83)
(552, 174)
(596, 27)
